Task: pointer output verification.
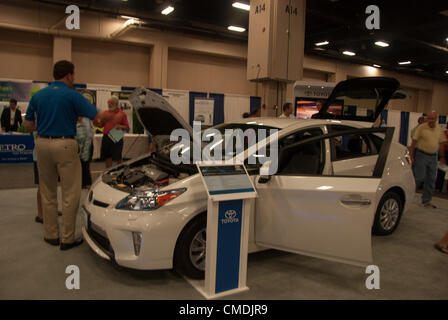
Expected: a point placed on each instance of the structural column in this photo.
(158, 66)
(62, 48)
(276, 49)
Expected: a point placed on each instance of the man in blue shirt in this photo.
(56, 110)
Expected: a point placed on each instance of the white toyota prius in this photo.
(338, 180)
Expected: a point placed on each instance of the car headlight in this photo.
(147, 200)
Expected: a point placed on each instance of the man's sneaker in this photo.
(429, 205)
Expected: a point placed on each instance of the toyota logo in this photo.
(230, 214)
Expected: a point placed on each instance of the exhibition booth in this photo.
(209, 108)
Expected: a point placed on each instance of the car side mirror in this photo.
(264, 172)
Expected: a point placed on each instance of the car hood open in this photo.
(155, 113)
(359, 99)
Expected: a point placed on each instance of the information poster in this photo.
(179, 100)
(203, 111)
(90, 95)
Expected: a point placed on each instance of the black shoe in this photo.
(66, 246)
(39, 220)
(53, 242)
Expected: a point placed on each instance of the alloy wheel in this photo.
(197, 250)
(389, 214)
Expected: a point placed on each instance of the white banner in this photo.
(235, 106)
(179, 100)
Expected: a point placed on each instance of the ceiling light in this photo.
(446, 71)
(167, 10)
(237, 29)
(241, 6)
(127, 17)
(377, 66)
(349, 53)
(382, 44)
(323, 43)
(131, 21)
(404, 62)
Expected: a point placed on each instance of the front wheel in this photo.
(189, 256)
(388, 214)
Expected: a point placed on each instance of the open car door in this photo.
(300, 210)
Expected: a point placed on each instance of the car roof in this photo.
(288, 123)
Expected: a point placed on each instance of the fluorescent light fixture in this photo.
(167, 10)
(349, 53)
(323, 43)
(130, 21)
(382, 44)
(127, 17)
(237, 29)
(404, 62)
(324, 188)
(241, 6)
(377, 66)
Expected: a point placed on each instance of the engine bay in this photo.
(152, 171)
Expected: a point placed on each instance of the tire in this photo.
(388, 214)
(189, 255)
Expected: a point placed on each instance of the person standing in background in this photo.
(287, 111)
(11, 117)
(427, 140)
(84, 136)
(112, 148)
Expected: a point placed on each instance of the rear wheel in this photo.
(189, 256)
(388, 214)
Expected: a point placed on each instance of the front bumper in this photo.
(96, 240)
(109, 232)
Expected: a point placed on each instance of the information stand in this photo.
(229, 188)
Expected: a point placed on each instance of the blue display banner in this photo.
(16, 148)
(229, 243)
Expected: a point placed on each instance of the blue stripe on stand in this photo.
(404, 128)
(231, 191)
(218, 112)
(229, 243)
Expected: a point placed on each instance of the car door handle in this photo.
(356, 202)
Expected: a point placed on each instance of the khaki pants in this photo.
(59, 157)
